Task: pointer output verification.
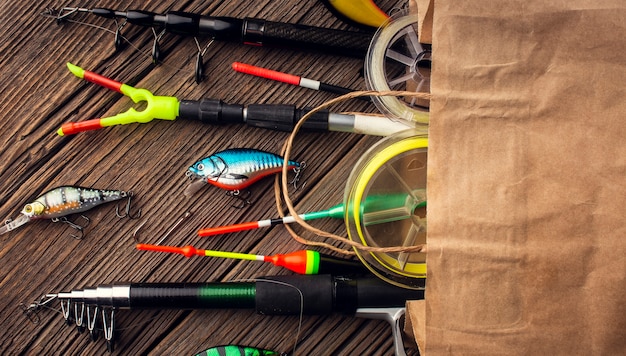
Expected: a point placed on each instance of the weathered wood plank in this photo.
(38, 94)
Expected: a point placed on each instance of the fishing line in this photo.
(397, 71)
(396, 45)
(300, 316)
(416, 279)
(281, 186)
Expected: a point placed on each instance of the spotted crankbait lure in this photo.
(59, 202)
(236, 350)
(236, 169)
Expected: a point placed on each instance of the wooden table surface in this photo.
(38, 94)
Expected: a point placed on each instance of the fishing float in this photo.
(377, 209)
(301, 262)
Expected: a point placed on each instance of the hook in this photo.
(119, 38)
(74, 225)
(168, 233)
(156, 49)
(32, 311)
(298, 174)
(243, 199)
(59, 15)
(182, 218)
(137, 230)
(127, 213)
(199, 71)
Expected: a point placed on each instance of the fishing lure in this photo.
(236, 350)
(59, 202)
(236, 169)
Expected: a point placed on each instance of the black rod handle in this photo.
(251, 31)
(323, 294)
(302, 37)
(268, 116)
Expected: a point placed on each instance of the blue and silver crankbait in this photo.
(235, 169)
(59, 202)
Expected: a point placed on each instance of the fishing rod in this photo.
(301, 262)
(322, 294)
(249, 31)
(215, 111)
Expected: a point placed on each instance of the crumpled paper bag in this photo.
(527, 179)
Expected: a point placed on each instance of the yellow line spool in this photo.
(394, 166)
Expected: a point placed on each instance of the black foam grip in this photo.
(292, 295)
(302, 37)
(322, 294)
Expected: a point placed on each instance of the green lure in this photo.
(236, 350)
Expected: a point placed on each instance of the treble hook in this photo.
(243, 199)
(61, 14)
(74, 225)
(156, 49)
(32, 311)
(200, 61)
(127, 214)
(119, 41)
(296, 178)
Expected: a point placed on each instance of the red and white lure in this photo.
(235, 169)
(59, 202)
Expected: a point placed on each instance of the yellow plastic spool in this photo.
(395, 166)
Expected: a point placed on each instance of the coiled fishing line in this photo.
(396, 60)
(394, 168)
(388, 237)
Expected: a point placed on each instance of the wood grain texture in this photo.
(38, 94)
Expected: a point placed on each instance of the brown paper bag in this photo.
(527, 179)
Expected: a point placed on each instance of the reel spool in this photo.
(394, 168)
(396, 60)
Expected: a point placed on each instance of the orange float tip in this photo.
(302, 262)
(187, 251)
